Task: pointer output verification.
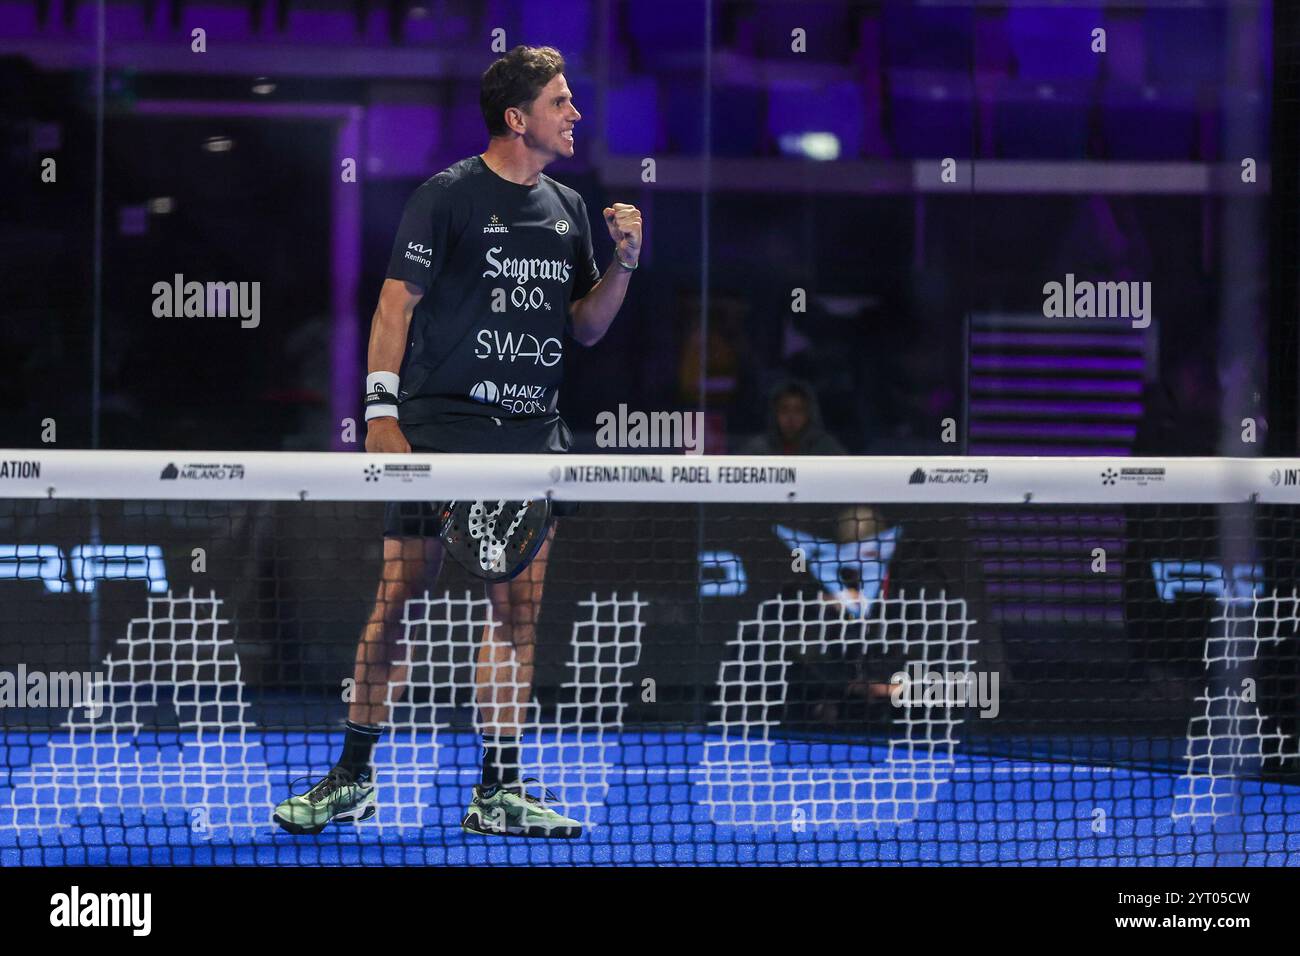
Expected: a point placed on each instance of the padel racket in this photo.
(494, 540)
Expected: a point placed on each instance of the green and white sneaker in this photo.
(513, 811)
(337, 798)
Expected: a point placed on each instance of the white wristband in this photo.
(381, 395)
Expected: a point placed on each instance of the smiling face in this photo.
(550, 120)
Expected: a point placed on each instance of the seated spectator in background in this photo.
(726, 361)
(794, 425)
(833, 681)
(888, 561)
(724, 352)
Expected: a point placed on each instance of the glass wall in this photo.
(916, 227)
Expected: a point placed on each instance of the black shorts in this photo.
(473, 434)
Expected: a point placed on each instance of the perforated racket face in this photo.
(494, 540)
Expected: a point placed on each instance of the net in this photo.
(730, 660)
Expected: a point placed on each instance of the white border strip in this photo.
(343, 476)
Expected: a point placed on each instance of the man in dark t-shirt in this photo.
(491, 272)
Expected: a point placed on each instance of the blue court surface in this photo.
(645, 798)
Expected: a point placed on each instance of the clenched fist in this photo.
(624, 222)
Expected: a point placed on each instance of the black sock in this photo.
(500, 760)
(358, 740)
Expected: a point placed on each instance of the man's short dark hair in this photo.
(792, 388)
(516, 80)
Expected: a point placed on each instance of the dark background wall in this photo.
(776, 170)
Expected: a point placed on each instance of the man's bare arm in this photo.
(594, 313)
(391, 325)
(389, 329)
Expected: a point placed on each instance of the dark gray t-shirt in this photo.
(471, 239)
